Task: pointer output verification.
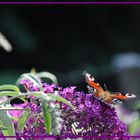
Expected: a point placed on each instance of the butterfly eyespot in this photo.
(90, 77)
(129, 95)
(117, 101)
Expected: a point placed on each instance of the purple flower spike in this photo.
(91, 117)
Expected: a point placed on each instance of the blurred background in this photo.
(68, 39)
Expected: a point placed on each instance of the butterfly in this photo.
(105, 95)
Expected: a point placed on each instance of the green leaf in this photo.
(134, 126)
(3, 128)
(46, 116)
(37, 94)
(32, 78)
(53, 96)
(61, 99)
(22, 120)
(9, 87)
(9, 93)
(14, 118)
(6, 121)
(12, 93)
(48, 75)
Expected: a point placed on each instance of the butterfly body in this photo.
(105, 95)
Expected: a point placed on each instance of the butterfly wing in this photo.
(120, 97)
(91, 82)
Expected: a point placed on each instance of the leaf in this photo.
(32, 78)
(12, 93)
(22, 120)
(6, 121)
(53, 96)
(9, 87)
(48, 75)
(1, 125)
(61, 99)
(46, 116)
(8, 93)
(14, 118)
(134, 126)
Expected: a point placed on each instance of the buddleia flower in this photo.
(91, 117)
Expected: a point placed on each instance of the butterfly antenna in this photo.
(105, 86)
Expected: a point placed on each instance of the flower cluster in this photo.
(34, 124)
(91, 117)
